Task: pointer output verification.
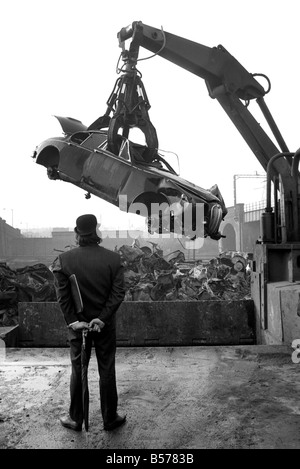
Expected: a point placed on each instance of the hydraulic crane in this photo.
(233, 87)
(277, 258)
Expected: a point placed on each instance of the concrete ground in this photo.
(185, 398)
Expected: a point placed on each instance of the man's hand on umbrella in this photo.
(96, 325)
(77, 326)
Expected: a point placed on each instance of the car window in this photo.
(94, 140)
(79, 137)
(90, 140)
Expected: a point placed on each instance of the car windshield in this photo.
(162, 160)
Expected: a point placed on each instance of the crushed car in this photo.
(125, 178)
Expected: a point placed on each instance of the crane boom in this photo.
(226, 79)
(233, 87)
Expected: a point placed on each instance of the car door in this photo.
(108, 173)
(76, 151)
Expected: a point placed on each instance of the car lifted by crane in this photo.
(233, 87)
(276, 263)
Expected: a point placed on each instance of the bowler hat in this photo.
(86, 224)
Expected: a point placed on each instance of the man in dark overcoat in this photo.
(100, 277)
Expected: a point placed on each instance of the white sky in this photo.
(59, 58)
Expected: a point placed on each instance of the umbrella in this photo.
(84, 380)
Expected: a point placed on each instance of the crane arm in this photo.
(215, 65)
(230, 84)
(226, 79)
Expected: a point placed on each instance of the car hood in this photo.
(188, 186)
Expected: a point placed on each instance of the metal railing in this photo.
(253, 211)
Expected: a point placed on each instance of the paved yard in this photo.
(175, 398)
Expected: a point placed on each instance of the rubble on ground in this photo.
(149, 276)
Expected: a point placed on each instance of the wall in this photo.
(144, 323)
(240, 235)
(231, 228)
(21, 251)
(7, 235)
(251, 233)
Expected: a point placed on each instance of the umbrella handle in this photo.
(84, 334)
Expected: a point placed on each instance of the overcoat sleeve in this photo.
(63, 293)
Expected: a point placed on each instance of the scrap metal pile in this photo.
(151, 276)
(31, 283)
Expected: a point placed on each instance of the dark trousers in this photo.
(105, 348)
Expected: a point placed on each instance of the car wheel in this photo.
(52, 172)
